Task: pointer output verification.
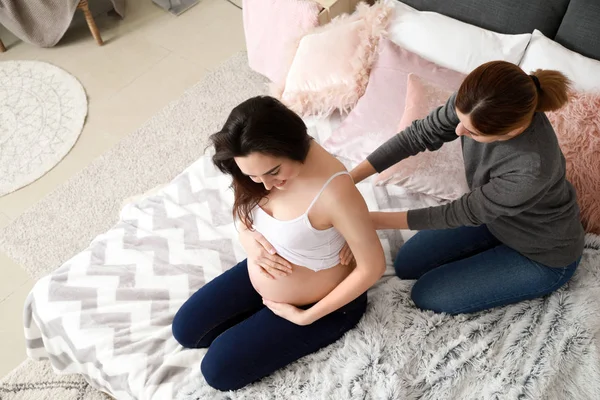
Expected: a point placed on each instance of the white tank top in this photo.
(298, 241)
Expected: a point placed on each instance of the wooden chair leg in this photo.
(83, 6)
(2, 48)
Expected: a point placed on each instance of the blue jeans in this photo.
(245, 340)
(467, 269)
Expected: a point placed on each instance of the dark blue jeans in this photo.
(245, 340)
(467, 269)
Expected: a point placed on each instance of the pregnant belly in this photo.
(303, 286)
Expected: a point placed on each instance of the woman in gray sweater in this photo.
(517, 234)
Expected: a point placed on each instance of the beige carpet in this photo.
(65, 221)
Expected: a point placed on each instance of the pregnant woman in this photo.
(272, 309)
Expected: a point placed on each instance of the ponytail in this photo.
(553, 92)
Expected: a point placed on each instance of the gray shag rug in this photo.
(540, 349)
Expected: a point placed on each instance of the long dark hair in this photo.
(258, 125)
(500, 97)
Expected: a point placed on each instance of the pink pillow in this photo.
(332, 65)
(273, 29)
(577, 127)
(376, 117)
(438, 173)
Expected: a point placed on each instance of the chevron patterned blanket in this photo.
(107, 312)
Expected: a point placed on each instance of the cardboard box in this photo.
(333, 8)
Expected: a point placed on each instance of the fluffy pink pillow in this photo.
(438, 173)
(273, 29)
(376, 117)
(332, 65)
(577, 127)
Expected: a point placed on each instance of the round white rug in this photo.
(42, 111)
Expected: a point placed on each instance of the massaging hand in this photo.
(262, 253)
(346, 256)
(289, 312)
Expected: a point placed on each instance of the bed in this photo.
(106, 313)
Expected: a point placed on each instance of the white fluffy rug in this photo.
(540, 349)
(42, 110)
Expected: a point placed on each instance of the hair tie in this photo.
(536, 81)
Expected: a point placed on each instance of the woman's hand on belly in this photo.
(262, 255)
(289, 312)
(301, 288)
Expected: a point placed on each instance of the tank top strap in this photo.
(324, 187)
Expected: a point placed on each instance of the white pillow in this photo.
(451, 43)
(547, 54)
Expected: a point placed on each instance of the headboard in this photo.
(574, 24)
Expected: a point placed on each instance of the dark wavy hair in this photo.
(258, 125)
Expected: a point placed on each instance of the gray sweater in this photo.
(518, 187)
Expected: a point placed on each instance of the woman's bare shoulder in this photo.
(326, 164)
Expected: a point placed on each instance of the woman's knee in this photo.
(413, 258)
(430, 249)
(406, 265)
(403, 270)
(431, 298)
(180, 330)
(185, 330)
(220, 371)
